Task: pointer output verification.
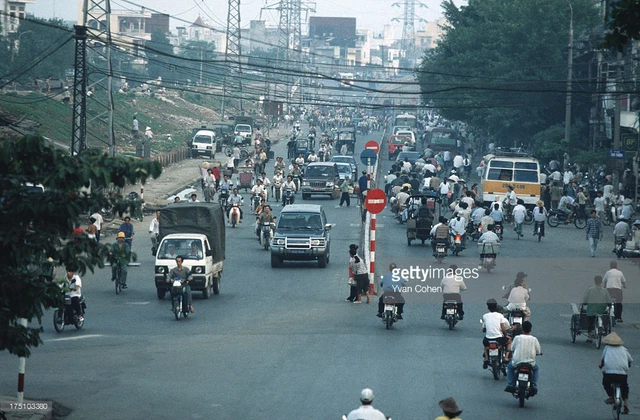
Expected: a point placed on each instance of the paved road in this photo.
(282, 343)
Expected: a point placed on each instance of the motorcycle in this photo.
(66, 315)
(621, 244)
(276, 191)
(266, 233)
(456, 243)
(255, 201)
(234, 215)
(288, 198)
(488, 254)
(178, 307)
(515, 318)
(451, 316)
(558, 216)
(496, 359)
(524, 390)
(390, 314)
(441, 251)
(222, 198)
(155, 241)
(497, 229)
(476, 232)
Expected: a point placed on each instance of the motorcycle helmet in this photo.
(120, 235)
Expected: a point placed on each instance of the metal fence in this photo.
(175, 155)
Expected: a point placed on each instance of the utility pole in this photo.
(79, 110)
(567, 115)
(408, 42)
(616, 123)
(233, 80)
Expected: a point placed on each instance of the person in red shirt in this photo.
(216, 173)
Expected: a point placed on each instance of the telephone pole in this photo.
(233, 77)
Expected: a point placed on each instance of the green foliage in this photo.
(502, 65)
(198, 62)
(37, 224)
(162, 61)
(622, 23)
(38, 40)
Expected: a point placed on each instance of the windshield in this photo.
(203, 139)
(243, 127)
(342, 159)
(443, 137)
(318, 171)
(344, 169)
(399, 140)
(188, 249)
(300, 221)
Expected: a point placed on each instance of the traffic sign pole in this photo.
(372, 255)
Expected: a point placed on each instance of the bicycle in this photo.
(518, 229)
(616, 407)
(117, 279)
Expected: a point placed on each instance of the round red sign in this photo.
(376, 201)
(372, 145)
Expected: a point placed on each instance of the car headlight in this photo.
(329, 184)
(305, 183)
(279, 241)
(315, 242)
(161, 270)
(198, 270)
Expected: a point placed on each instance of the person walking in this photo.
(614, 282)
(360, 274)
(594, 232)
(344, 192)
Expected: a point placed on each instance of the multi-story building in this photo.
(12, 12)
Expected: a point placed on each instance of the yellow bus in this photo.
(510, 168)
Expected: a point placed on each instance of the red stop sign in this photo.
(376, 201)
(372, 145)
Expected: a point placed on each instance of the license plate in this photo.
(493, 352)
(517, 320)
(523, 377)
(451, 311)
(440, 249)
(316, 189)
(457, 241)
(297, 251)
(388, 308)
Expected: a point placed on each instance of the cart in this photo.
(245, 177)
(580, 323)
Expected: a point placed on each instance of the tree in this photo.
(501, 65)
(36, 225)
(622, 23)
(39, 40)
(198, 62)
(162, 61)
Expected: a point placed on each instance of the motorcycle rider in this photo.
(236, 198)
(459, 227)
(452, 284)
(496, 327)
(366, 410)
(525, 348)
(518, 296)
(184, 274)
(597, 299)
(539, 217)
(276, 183)
(489, 236)
(266, 183)
(510, 200)
(264, 217)
(296, 174)
(258, 190)
(519, 213)
(566, 206)
(75, 290)
(621, 232)
(120, 256)
(391, 284)
(312, 157)
(486, 221)
(440, 234)
(278, 165)
(289, 185)
(300, 159)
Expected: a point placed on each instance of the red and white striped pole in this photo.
(22, 361)
(372, 254)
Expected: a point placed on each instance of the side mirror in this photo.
(209, 253)
(327, 226)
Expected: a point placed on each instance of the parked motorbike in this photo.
(390, 314)
(451, 316)
(524, 390)
(234, 214)
(266, 233)
(178, 307)
(66, 315)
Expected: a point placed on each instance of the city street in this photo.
(281, 343)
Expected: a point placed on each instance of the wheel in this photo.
(266, 244)
(440, 259)
(79, 323)
(228, 151)
(580, 222)
(322, 261)
(305, 196)
(275, 261)
(108, 215)
(598, 340)
(176, 309)
(553, 221)
(521, 397)
(58, 320)
(488, 269)
(244, 155)
(574, 328)
(206, 293)
(161, 293)
(118, 284)
(619, 253)
(528, 218)
(452, 322)
(495, 368)
(408, 242)
(388, 321)
(539, 236)
(216, 284)
(423, 242)
(606, 220)
(518, 234)
(233, 220)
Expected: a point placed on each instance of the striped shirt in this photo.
(594, 228)
(525, 348)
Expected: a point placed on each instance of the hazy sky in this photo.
(370, 14)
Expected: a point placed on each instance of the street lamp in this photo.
(16, 44)
(567, 115)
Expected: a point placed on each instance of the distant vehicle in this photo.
(345, 170)
(411, 156)
(346, 79)
(320, 178)
(410, 135)
(441, 139)
(516, 169)
(407, 120)
(347, 159)
(203, 143)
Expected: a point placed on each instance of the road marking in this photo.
(355, 224)
(137, 303)
(80, 337)
(566, 315)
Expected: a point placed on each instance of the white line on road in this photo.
(137, 303)
(80, 337)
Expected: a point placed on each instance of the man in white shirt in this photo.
(489, 235)
(495, 327)
(525, 348)
(366, 410)
(599, 203)
(458, 163)
(566, 205)
(452, 284)
(98, 223)
(614, 282)
(519, 213)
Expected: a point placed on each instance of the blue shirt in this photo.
(496, 215)
(127, 229)
(388, 284)
(362, 182)
(593, 228)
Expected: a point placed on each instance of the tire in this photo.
(606, 219)
(58, 320)
(528, 218)
(619, 253)
(574, 328)
(408, 242)
(539, 236)
(488, 270)
(244, 155)
(216, 284)
(452, 322)
(553, 221)
(495, 368)
(580, 223)
(206, 293)
(598, 341)
(521, 393)
(176, 310)
(440, 259)
(266, 243)
(388, 321)
(161, 293)
(322, 261)
(118, 285)
(275, 261)
(78, 324)
(233, 220)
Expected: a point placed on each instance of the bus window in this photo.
(499, 174)
(526, 176)
(501, 164)
(527, 165)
